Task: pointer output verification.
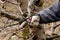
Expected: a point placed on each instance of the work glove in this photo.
(35, 20)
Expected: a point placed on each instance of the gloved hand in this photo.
(35, 20)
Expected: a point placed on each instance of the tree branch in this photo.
(10, 16)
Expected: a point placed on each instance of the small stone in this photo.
(14, 37)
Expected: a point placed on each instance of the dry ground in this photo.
(10, 33)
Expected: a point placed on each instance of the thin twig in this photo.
(9, 15)
(15, 3)
(28, 8)
(6, 23)
(2, 28)
(19, 8)
(8, 36)
(54, 37)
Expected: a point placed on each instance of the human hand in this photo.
(35, 20)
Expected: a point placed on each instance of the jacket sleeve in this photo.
(50, 14)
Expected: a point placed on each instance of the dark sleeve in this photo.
(51, 14)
